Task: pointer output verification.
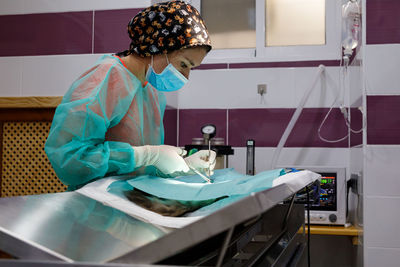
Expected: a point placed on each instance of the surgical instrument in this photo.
(208, 131)
(208, 180)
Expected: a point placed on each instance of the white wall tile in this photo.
(355, 86)
(356, 159)
(381, 222)
(237, 88)
(53, 75)
(10, 76)
(44, 6)
(11, 7)
(327, 157)
(382, 69)
(384, 257)
(172, 99)
(326, 88)
(381, 170)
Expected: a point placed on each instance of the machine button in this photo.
(332, 218)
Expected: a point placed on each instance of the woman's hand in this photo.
(167, 159)
(203, 161)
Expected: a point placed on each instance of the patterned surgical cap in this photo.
(166, 27)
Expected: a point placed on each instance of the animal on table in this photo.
(165, 207)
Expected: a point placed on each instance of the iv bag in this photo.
(350, 26)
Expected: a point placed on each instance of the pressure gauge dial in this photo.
(209, 131)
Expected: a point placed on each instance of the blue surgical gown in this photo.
(105, 112)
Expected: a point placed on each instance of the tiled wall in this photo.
(44, 47)
(47, 34)
(383, 25)
(267, 125)
(63, 40)
(382, 151)
(383, 119)
(227, 97)
(49, 6)
(381, 159)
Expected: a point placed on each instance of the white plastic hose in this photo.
(294, 118)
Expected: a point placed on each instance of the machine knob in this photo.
(332, 218)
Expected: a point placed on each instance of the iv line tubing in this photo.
(342, 76)
(294, 118)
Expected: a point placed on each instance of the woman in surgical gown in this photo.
(110, 122)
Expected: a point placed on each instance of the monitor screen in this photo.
(327, 196)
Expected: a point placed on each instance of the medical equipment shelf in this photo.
(351, 231)
(334, 230)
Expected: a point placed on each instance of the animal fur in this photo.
(166, 207)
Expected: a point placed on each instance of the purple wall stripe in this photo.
(356, 124)
(266, 126)
(383, 120)
(46, 34)
(253, 65)
(289, 64)
(383, 23)
(71, 33)
(170, 126)
(191, 121)
(305, 132)
(110, 30)
(212, 66)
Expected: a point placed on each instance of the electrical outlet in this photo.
(261, 89)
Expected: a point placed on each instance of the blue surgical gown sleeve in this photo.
(76, 145)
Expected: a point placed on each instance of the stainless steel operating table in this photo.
(69, 229)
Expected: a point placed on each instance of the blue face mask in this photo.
(170, 79)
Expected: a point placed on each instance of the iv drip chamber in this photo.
(350, 26)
